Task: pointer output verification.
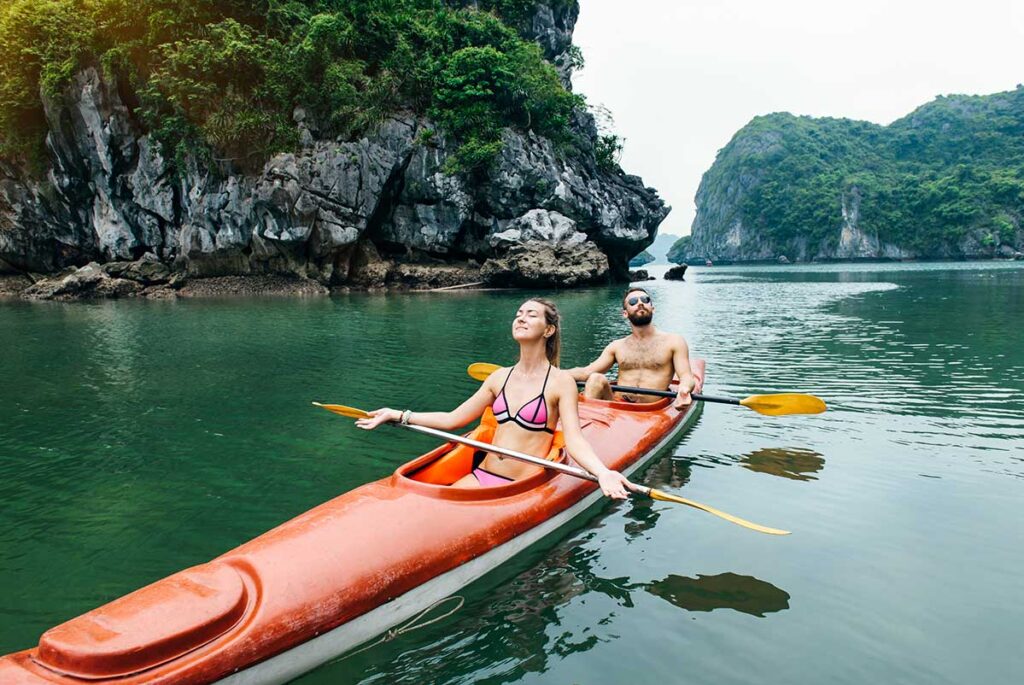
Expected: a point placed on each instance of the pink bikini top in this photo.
(533, 416)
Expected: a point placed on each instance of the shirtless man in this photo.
(647, 358)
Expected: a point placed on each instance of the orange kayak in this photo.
(340, 574)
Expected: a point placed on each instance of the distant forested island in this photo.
(945, 181)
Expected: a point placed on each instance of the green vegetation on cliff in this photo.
(949, 173)
(677, 253)
(644, 257)
(225, 76)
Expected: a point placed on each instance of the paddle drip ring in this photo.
(410, 625)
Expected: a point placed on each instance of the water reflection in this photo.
(795, 464)
(745, 594)
(510, 627)
(667, 473)
(664, 474)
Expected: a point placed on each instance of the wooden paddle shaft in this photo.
(487, 447)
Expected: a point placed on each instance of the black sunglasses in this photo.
(642, 298)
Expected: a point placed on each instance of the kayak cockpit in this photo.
(436, 471)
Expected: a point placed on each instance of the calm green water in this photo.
(138, 438)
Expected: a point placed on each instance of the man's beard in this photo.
(641, 319)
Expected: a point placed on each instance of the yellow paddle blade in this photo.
(350, 412)
(481, 370)
(665, 497)
(784, 403)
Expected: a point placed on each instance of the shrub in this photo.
(224, 76)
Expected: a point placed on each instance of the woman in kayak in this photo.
(539, 392)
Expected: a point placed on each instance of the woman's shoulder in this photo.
(494, 371)
(496, 377)
(562, 379)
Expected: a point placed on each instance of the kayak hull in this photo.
(337, 576)
(290, 665)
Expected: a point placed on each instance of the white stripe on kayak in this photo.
(305, 657)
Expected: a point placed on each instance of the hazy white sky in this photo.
(682, 76)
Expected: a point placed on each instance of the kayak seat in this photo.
(148, 627)
(458, 461)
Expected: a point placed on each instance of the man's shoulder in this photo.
(675, 336)
(617, 343)
(673, 339)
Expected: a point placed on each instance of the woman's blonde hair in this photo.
(553, 345)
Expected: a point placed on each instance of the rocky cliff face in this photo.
(371, 212)
(721, 234)
(721, 231)
(718, 228)
(856, 243)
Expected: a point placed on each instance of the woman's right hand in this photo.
(379, 416)
(614, 484)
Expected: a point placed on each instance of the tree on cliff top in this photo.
(225, 76)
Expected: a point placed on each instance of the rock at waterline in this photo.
(145, 277)
(640, 275)
(260, 285)
(148, 270)
(89, 281)
(544, 248)
(12, 285)
(534, 264)
(676, 273)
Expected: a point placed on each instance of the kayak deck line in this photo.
(338, 575)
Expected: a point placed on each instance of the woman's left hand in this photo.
(379, 416)
(614, 484)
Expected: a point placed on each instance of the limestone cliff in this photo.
(383, 209)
